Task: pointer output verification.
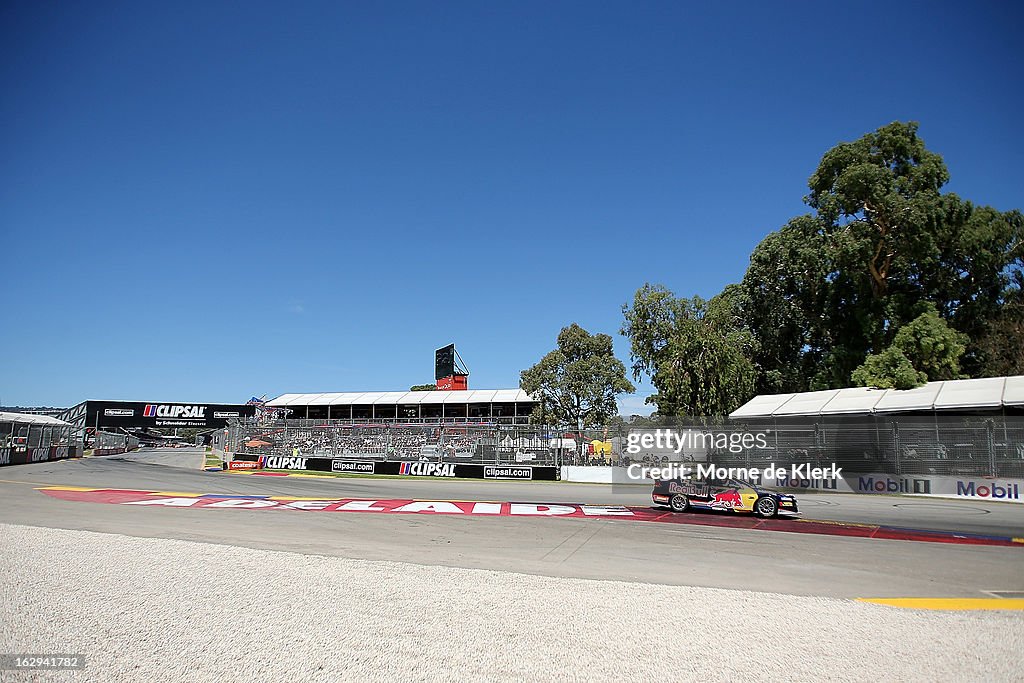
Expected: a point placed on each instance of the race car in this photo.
(721, 494)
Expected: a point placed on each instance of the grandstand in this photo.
(502, 406)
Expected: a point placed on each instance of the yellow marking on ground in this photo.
(835, 523)
(67, 488)
(1017, 540)
(37, 484)
(959, 604)
(298, 498)
(174, 494)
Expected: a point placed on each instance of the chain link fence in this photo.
(105, 443)
(961, 446)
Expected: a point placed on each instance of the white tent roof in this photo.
(761, 405)
(990, 392)
(921, 398)
(971, 393)
(855, 400)
(1013, 392)
(810, 402)
(26, 418)
(402, 397)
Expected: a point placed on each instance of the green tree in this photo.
(785, 287)
(925, 349)
(698, 353)
(831, 288)
(576, 384)
(1000, 346)
(890, 369)
(932, 346)
(423, 387)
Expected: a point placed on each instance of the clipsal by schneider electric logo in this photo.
(180, 412)
(427, 469)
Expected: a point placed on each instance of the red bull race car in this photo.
(682, 495)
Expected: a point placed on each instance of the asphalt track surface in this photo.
(670, 554)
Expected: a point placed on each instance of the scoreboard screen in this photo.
(444, 362)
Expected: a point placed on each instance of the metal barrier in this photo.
(109, 443)
(23, 442)
(939, 445)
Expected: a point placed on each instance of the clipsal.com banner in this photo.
(974, 488)
(442, 470)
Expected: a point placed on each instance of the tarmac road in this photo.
(139, 471)
(799, 564)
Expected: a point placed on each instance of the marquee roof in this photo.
(26, 418)
(401, 398)
(989, 392)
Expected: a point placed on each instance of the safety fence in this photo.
(23, 442)
(946, 445)
(950, 446)
(111, 443)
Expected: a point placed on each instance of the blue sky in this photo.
(206, 201)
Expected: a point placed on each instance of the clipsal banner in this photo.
(427, 469)
(175, 412)
(283, 462)
(134, 414)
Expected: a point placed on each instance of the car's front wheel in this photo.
(766, 507)
(679, 503)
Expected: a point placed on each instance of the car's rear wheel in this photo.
(766, 506)
(679, 503)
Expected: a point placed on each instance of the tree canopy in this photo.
(576, 384)
(697, 352)
(926, 349)
(829, 294)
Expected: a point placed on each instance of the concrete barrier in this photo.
(600, 475)
(936, 486)
(24, 456)
(932, 485)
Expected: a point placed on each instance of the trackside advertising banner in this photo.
(131, 414)
(975, 488)
(243, 465)
(412, 469)
(24, 456)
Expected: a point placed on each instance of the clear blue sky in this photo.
(210, 200)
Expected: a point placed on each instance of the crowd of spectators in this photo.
(443, 444)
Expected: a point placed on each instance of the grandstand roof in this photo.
(401, 397)
(971, 394)
(26, 418)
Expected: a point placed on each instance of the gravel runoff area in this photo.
(154, 609)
